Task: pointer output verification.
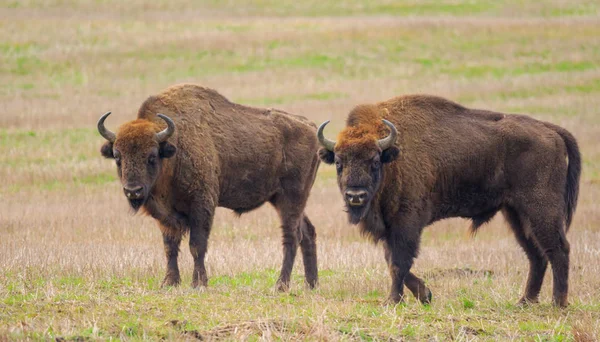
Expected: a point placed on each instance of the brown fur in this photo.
(227, 155)
(458, 162)
(364, 126)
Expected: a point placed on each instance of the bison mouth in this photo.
(357, 213)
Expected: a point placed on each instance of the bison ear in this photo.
(326, 156)
(390, 154)
(107, 150)
(167, 150)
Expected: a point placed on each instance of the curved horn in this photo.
(328, 144)
(108, 135)
(167, 132)
(389, 141)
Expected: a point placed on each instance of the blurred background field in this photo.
(75, 264)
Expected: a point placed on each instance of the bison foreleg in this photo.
(171, 243)
(291, 229)
(417, 286)
(200, 224)
(399, 254)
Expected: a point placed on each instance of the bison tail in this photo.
(573, 172)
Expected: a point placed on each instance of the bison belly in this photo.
(249, 190)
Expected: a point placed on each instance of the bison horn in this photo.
(165, 134)
(108, 135)
(328, 144)
(389, 141)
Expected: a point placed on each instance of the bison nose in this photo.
(135, 192)
(356, 197)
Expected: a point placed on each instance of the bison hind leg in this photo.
(549, 233)
(308, 245)
(538, 263)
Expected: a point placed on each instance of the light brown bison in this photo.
(203, 151)
(407, 162)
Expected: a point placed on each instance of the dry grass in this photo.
(75, 264)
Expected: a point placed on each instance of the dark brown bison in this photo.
(203, 151)
(413, 160)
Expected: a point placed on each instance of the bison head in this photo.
(358, 156)
(138, 149)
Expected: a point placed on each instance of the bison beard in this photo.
(357, 213)
(459, 162)
(136, 204)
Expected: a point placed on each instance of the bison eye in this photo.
(152, 160)
(338, 165)
(376, 165)
(118, 161)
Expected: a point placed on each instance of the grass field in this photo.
(76, 265)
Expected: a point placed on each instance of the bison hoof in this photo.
(524, 301)
(561, 305)
(282, 286)
(311, 284)
(200, 287)
(199, 284)
(426, 297)
(171, 281)
(560, 301)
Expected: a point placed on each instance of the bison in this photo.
(191, 149)
(442, 160)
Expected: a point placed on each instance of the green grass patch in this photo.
(432, 8)
(533, 326)
(309, 60)
(585, 87)
(336, 8)
(480, 71)
(57, 73)
(286, 99)
(355, 332)
(578, 9)
(407, 8)
(96, 179)
(373, 295)
(70, 281)
(40, 139)
(467, 303)
(245, 279)
(409, 331)
(126, 307)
